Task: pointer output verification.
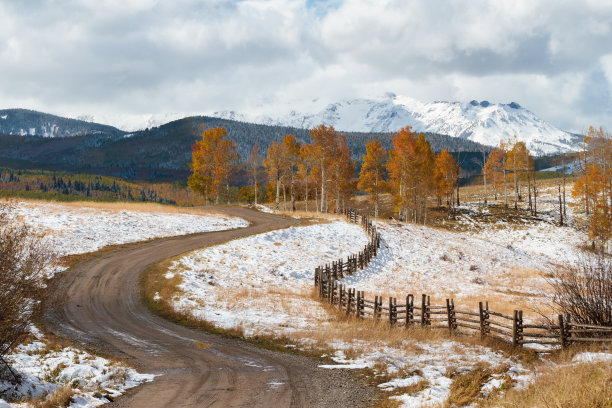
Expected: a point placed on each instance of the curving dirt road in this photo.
(102, 309)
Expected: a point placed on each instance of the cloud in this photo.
(150, 57)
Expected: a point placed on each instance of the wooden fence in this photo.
(340, 268)
(486, 322)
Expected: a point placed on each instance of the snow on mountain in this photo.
(26, 122)
(483, 122)
(134, 122)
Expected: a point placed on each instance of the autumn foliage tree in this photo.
(253, 165)
(496, 169)
(518, 164)
(307, 172)
(411, 167)
(291, 150)
(447, 177)
(594, 187)
(373, 170)
(334, 164)
(213, 159)
(274, 164)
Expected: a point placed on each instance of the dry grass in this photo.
(465, 387)
(62, 397)
(569, 386)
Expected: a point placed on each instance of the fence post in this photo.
(361, 304)
(358, 313)
(392, 310)
(450, 311)
(561, 331)
(423, 309)
(519, 328)
(375, 307)
(321, 283)
(484, 321)
(568, 326)
(515, 329)
(409, 310)
(349, 301)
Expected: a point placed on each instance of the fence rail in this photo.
(487, 322)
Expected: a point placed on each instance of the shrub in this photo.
(584, 289)
(22, 261)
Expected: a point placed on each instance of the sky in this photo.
(121, 61)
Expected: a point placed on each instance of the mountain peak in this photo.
(480, 121)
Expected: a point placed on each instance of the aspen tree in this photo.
(371, 176)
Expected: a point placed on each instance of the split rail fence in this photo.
(414, 312)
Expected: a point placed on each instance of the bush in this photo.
(584, 289)
(22, 261)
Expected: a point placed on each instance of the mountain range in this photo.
(479, 121)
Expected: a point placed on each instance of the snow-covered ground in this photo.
(429, 363)
(73, 230)
(93, 380)
(230, 284)
(262, 285)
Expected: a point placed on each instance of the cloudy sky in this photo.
(122, 60)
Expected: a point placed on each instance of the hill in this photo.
(32, 123)
(163, 153)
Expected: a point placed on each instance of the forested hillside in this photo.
(33, 123)
(163, 153)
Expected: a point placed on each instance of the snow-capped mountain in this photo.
(26, 122)
(483, 122)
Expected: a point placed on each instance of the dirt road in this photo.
(103, 310)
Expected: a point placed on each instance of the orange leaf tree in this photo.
(212, 161)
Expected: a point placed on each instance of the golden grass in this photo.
(465, 388)
(569, 386)
(61, 397)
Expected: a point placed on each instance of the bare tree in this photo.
(584, 289)
(22, 261)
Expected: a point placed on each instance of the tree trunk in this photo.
(458, 202)
(337, 189)
(376, 197)
(529, 188)
(515, 181)
(484, 166)
(306, 195)
(535, 197)
(284, 197)
(560, 208)
(292, 193)
(277, 193)
(505, 187)
(322, 187)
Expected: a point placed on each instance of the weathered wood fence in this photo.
(340, 268)
(486, 322)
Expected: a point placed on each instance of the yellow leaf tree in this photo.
(594, 188)
(447, 177)
(371, 176)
